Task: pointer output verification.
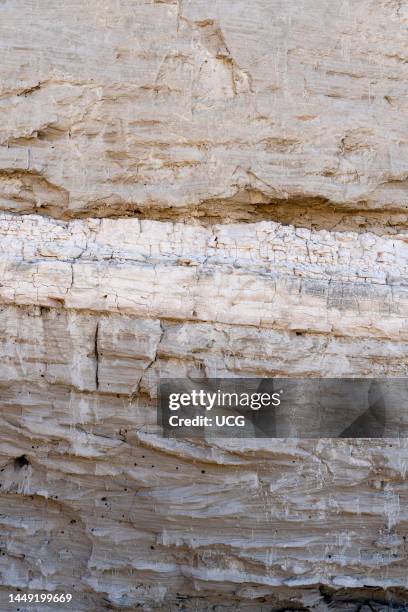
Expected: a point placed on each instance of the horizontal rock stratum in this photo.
(154, 106)
(193, 188)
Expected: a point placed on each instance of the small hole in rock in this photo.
(20, 462)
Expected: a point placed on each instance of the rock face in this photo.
(193, 188)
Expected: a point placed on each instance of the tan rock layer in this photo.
(159, 104)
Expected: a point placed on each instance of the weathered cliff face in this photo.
(193, 188)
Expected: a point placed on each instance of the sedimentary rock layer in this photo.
(264, 274)
(118, 107)
(117, 513)
(93, 313)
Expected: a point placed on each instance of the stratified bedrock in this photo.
(199, 188)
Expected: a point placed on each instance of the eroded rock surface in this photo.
(116, 107)
(194, 188)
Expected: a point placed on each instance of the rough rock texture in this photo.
(199, 188)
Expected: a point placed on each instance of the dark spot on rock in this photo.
(21, 462)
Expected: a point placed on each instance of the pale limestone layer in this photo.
(132, 518)
(237, 522)
(132, 106)
(261, 274)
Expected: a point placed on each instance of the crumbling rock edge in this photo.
(247, 205)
